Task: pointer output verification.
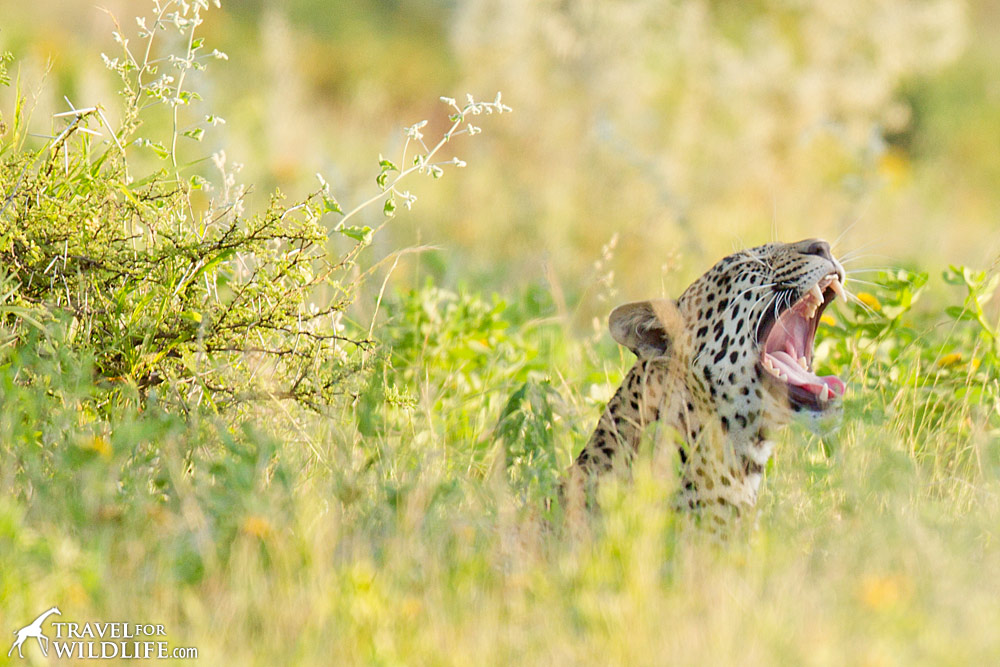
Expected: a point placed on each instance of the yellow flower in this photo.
(411, 607)
(869, 300)
(894, 165)
(950, 359)
(76, 594)
(257, 526)
(828, 320)
(100, 445)
(881, 592)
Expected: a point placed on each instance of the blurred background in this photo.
(648, 138)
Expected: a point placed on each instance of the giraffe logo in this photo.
(34, 629)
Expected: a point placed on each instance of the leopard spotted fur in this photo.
(699, 373)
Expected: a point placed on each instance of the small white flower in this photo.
(413, 131)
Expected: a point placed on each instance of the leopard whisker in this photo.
(760, 320)
(857, 258)
(857, 219)
(873, 269)
(865, 282)
(752, 258)
(784, 296)
(735, 299)
(851, 296)
(859, 249)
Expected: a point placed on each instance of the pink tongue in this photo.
(800, 377)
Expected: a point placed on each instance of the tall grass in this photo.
(402, 518)
(403, 531)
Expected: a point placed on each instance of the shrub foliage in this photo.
(165, 279)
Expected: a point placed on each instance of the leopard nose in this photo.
(819, 248)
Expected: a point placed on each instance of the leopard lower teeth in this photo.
(803, 363)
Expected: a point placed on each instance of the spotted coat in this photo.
(698, 376)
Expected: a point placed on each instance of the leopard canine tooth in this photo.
(838, 288)
(816, 294)
(803, 363)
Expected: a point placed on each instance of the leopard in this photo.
(718, 371)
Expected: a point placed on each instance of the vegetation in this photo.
(215, 418)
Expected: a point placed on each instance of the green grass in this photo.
(155, 466)
(408, 531)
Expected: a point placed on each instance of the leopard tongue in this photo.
(791, 372)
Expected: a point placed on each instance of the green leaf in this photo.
(386, 166)
(959, 313)
(195, 134)
(389, 208)
(330, 205)
(159, 149)
(953, 276)
(359, 234)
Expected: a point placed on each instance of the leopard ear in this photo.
(645, 327)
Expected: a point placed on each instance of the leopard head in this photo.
(744, 334)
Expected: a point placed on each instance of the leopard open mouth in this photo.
(786, 353)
